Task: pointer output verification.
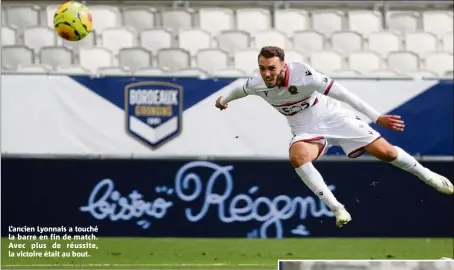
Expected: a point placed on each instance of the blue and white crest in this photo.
(154, 111)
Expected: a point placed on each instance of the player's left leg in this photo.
(384, 151)
(304, 149)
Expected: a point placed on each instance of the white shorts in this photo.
(349, 132)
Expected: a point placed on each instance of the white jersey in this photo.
(312, 116)
(302, 98)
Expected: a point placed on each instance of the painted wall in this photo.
(190, 198)
(83, 115)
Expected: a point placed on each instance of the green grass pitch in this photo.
(188, 253)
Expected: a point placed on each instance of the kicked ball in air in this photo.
(73, 21)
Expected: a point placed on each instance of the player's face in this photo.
(272, 70)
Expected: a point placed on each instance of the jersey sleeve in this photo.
(251, 84)
(326, 85)
(321, 82)
(242, 90)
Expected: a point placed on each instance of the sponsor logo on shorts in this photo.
(153, 111)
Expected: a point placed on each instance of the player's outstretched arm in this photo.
(337, 91)
(236, 93)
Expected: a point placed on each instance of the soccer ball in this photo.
(72, 21)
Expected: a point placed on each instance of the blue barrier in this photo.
(428, 114)
(254, 199)
(106, 111)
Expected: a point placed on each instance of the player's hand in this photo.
(219, 105)
(392, 122)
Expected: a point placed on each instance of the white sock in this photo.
(314, 180)
(410, 164)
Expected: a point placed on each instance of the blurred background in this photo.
(79, 149)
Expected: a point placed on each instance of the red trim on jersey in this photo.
(291, 103)
(287, 77)
(358, 152)
(315, 102)
(328, 88)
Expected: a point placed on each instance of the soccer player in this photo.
(310, 102)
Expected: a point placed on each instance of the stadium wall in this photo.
(82, 115)
(190, 198)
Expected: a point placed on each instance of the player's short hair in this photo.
(272, 51)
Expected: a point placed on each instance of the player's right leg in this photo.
(356, 137)
(395, 155)
(301, 154)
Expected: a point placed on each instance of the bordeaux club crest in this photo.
(153, 111)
